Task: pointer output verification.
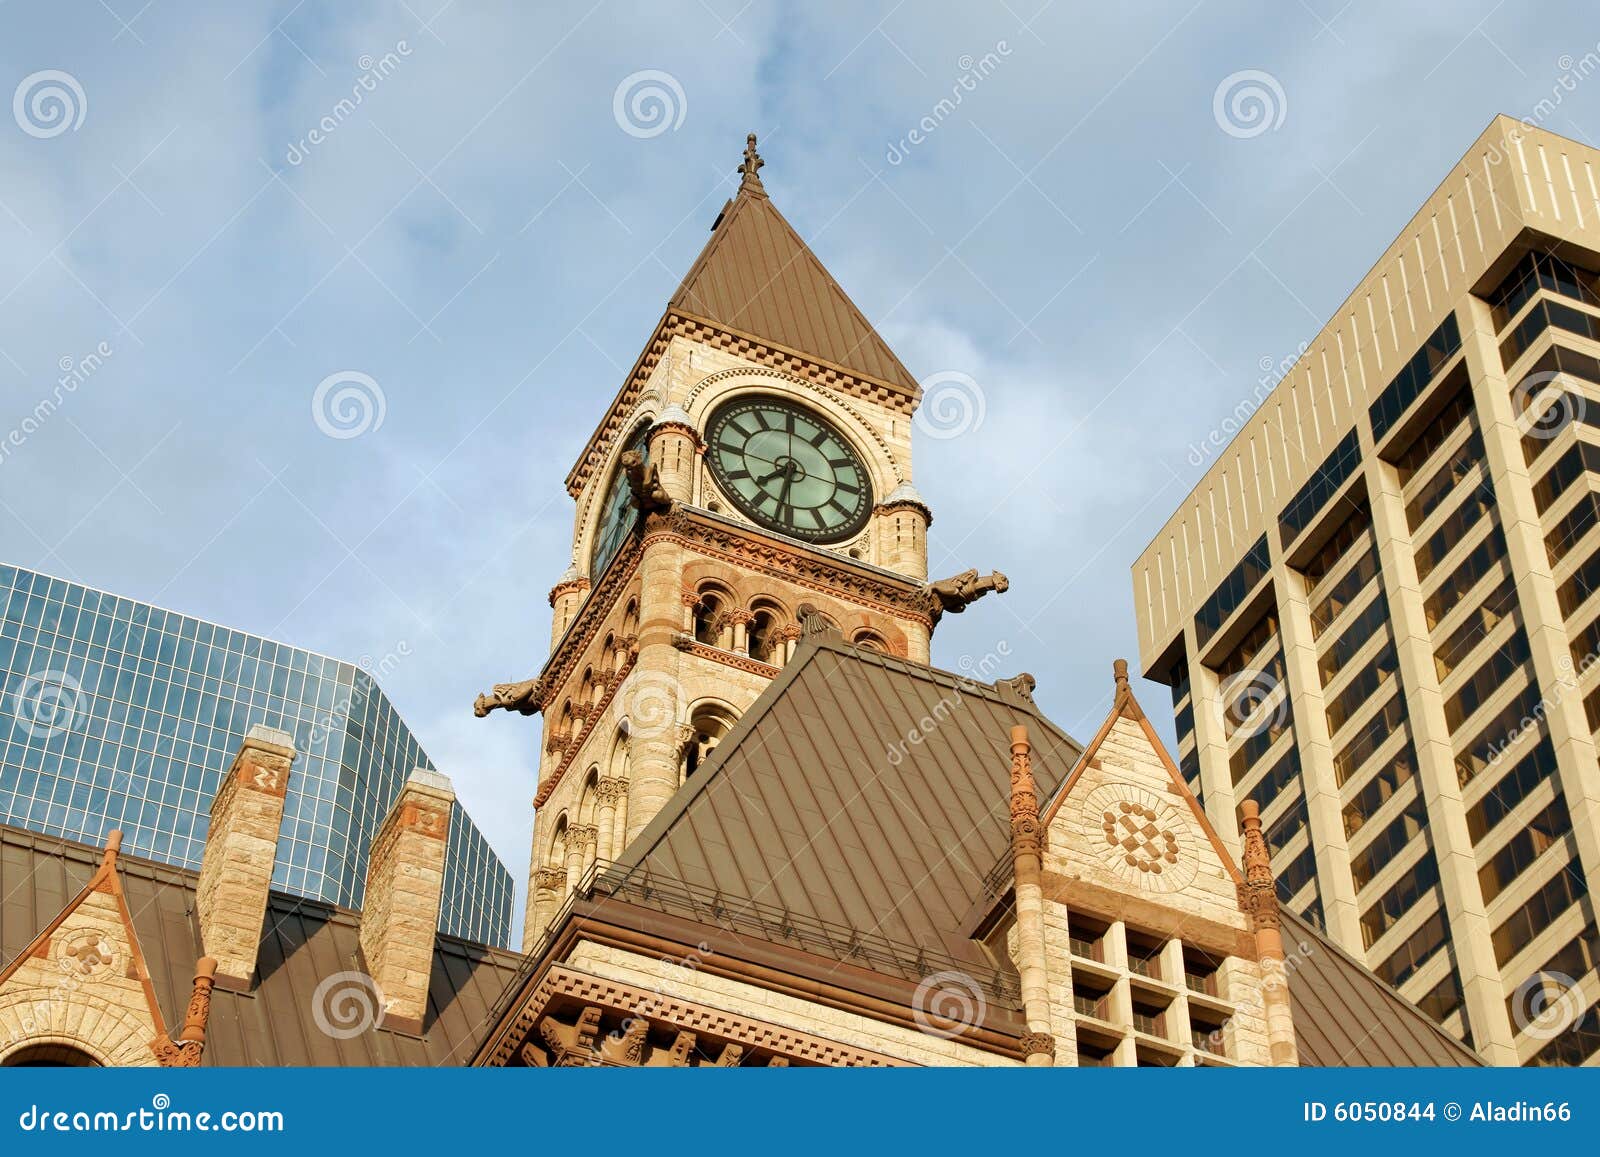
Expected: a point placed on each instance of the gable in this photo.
(82, 981)
(1125, 822)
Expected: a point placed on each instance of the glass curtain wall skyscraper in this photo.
(118, 714)
(1375, 610)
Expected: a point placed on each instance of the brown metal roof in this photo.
(802, 811)
(1345, 1015)
(861, 792)
(756, 277)
(304, 943)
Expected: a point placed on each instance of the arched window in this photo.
(558, 844)
(708, 619)
(50, 1055)
(764, 639)
(709, 724)
(871, 641)
(630, 619)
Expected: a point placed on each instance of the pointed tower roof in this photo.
(756, 277)
(757, 290)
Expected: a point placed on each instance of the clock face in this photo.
(789, 469)
(616, 514)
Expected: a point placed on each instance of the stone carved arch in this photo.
(706, 395)
(642, 414)
(113, 1035)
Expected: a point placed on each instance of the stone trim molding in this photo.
(686, 1015)
(692, 646)
(680, 323)
(838, 400)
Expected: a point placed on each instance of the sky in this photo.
(355, 282)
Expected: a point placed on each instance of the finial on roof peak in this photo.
(750, 167)
(1124, 702)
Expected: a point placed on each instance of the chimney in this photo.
(405, 887)
(241, 847)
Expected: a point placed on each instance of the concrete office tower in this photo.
(1374, 610)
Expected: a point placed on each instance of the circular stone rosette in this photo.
(1142, 837)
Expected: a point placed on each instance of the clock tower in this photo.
(750, 480)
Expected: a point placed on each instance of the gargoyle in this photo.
(644, 480)
(955, 593)
(522, 698)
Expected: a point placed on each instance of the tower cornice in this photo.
(762, 351)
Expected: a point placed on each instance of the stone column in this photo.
(674, 446)
(404, 893)
(902, 520)
(574, 857)
(651, 689)
(741, 621)
(1261, 899)
(241, 849)
(1038, 1045)
(549, 884)
(565, 599)
(611, 791)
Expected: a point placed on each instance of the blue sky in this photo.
(486, 241)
